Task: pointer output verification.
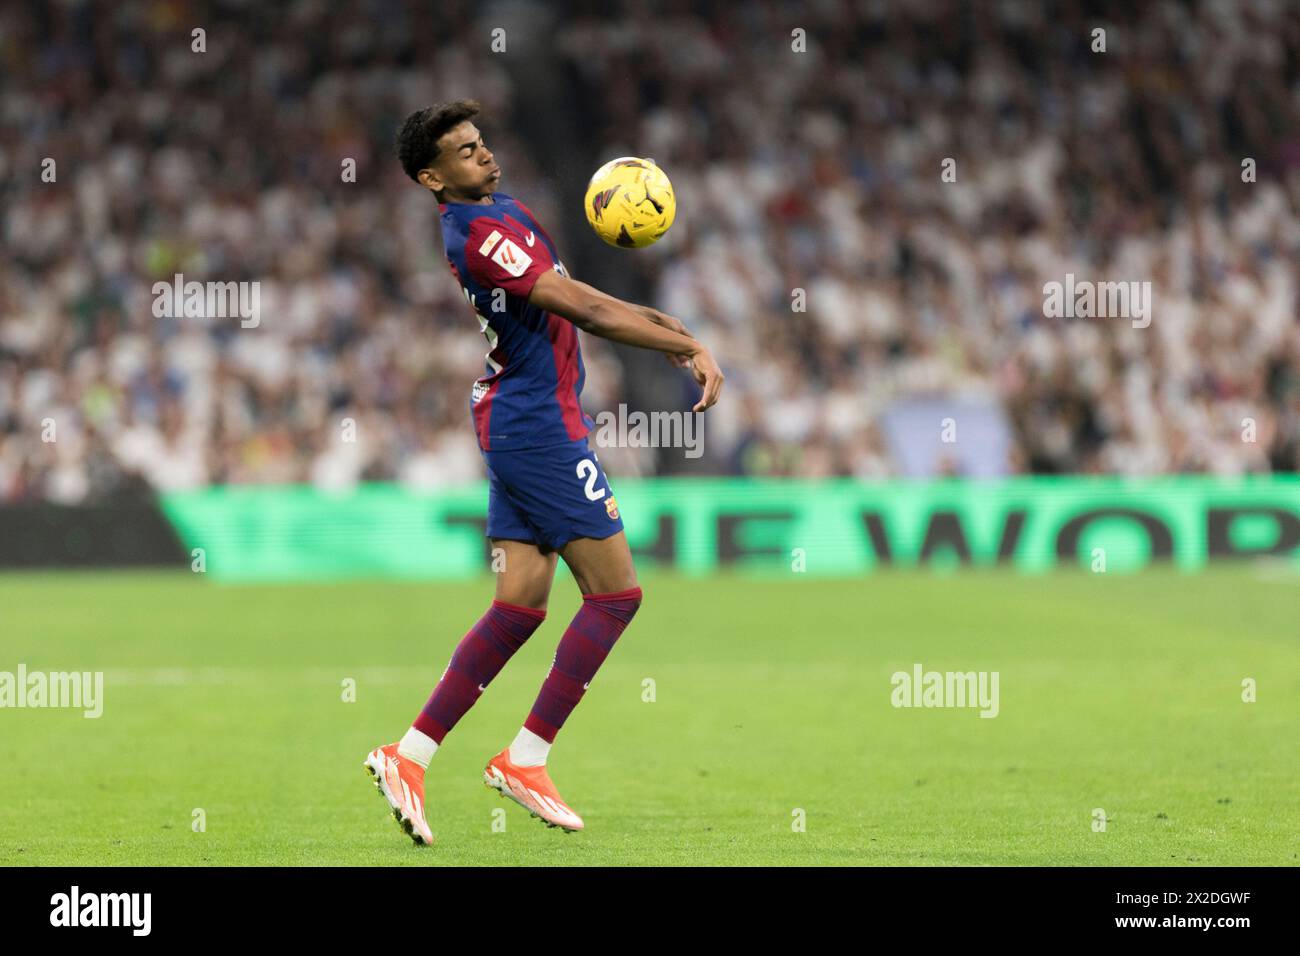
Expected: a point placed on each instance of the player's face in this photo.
(466, 170)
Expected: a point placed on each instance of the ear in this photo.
(428, 178)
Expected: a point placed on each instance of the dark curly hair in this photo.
(417, 141)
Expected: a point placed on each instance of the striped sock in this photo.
(477, 659)
(583, 648)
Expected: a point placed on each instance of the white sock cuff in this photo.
(418, 747)
(528, 749)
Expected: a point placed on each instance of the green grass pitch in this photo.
(771, 696)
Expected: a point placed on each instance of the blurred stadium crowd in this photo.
(817, 248)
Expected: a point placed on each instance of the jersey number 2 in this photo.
(587, 471)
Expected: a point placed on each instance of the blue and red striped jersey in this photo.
(528, 394)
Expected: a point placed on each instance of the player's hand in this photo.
(709, 377)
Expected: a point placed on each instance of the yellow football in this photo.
(630, 202)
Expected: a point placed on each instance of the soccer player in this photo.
(548, 495)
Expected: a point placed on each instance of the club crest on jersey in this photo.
(611, 508)
(480, 389)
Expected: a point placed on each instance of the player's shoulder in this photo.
(503, 248)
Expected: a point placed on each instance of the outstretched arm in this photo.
(600, 314)
(655, 316)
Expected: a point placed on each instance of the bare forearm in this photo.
(620, 321)
(611, 318)
(645, 311)
(593, 311)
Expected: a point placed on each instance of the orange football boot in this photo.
(531, 788)
(401, 781)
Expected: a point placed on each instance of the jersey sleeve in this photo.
(500, 257)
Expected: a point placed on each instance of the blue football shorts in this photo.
(550, 495)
